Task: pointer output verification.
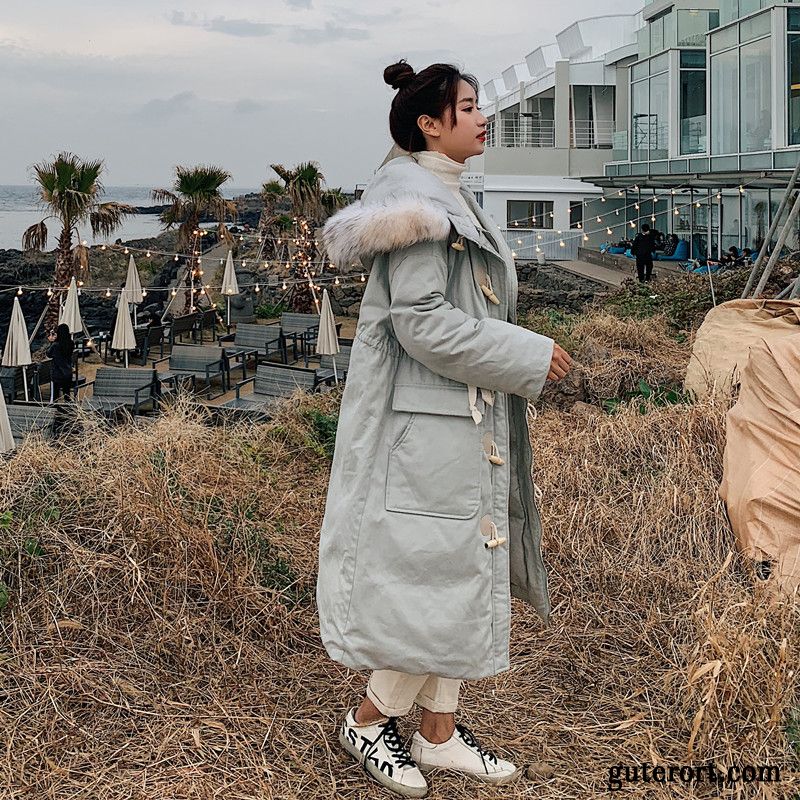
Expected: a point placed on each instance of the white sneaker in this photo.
(379, 748)
(461, 752)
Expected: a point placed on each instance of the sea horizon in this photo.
(19, 209)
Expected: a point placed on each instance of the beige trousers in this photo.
(394, 693)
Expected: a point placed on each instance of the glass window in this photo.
(656, 35)
(659, 116)
(693, 59)
(725, 102)
(643, 41)
(640, 70)
(794, 88)
(693, 111)
(725, 38)
(794, 19)
(754, 96)
(529, 213)
(575, 213)
(748, 7)
(755, 215)
(669, 30)
(640, 121)
(755, 27)
(728, 11)
(659, 63)
(693, 24)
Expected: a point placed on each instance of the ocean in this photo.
(19, 210)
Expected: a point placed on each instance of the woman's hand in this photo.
(559, 364)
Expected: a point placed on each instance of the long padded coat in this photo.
(432, 464)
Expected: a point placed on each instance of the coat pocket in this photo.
(434, 465)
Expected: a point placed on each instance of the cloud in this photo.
(177, 104)
(241, 27)
(329, 33)
(248, 106)
(298, 4)
(299, 34)
(354, 17)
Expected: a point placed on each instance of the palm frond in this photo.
(200, 182)
(286, 175)
(108, 217)
(35, 238)
(163, 196)
(80, 258)
(225, 235)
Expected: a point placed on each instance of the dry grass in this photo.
(164, 644)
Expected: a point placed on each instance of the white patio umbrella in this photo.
(327, 341)
(6, 438)
(230, 286)
(70, 312)
(124, 337)
(132, 291)
(17, 352)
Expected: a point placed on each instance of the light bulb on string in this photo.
(144, 292)
(49, 292)
(126, 251)
(580, 226)
(102, 247)
(174, 292)
(598, 219)
(653, 218)
(336, 282)
(538, 249)
(148, 254)
(697, 204)
(519, 241)
(620, 192)
(176, 257)
(284, 284)
(608, 231)
(513, 254)
(362, 279)
(616, 212)
(539, 236)
(257, 289)
(741, 190)
(636, 206)
(561, 243)
(719, 196)
(108, 292)
(19, 291)
(632, 224)
(677, 212)
(585, 237)
(603, 199)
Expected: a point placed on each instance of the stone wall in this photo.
(539, 285)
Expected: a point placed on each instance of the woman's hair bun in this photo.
(399, 75)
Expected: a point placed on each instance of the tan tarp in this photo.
(761, 464)
(728, 332)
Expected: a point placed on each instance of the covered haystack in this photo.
(159, 637)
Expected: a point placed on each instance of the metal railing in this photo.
(525, 241)
(592, 133)
(527, 132)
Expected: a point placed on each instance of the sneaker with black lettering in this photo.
(380, 750)
(462, 753)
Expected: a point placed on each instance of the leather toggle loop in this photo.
(458, 244)
(494, 543)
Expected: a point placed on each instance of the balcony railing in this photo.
(526, 132)
(592, 133)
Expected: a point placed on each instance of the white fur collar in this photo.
(362, 231)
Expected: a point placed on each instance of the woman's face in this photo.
(467, 137)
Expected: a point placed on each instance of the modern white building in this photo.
(714, 122)
(685, 115)
(552, 119)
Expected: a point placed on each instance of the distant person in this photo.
(642, 249)
(60, 351)
(671, 244)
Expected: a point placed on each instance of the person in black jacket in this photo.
(60, 351)
(642, 247)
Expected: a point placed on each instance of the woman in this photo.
(430, 524)
(60, 351)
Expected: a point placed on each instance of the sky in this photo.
(149, 85)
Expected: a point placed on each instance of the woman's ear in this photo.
(429, 126)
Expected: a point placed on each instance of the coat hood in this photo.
(403, 205)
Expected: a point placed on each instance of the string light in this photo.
(257, 289)
(148, 254)
(126, 251)
(362, 278)
(608, 231)
(19, 291)
(108, 292)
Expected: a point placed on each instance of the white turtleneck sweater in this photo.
(449, 172)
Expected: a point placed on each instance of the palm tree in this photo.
(70, 190)
(311, 206)
(195, 195)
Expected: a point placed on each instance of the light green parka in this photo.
(430, 522)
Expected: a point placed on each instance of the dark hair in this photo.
(429, 92)
(645, 226)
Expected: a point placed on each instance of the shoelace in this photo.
(394, 744)
(471, 741)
